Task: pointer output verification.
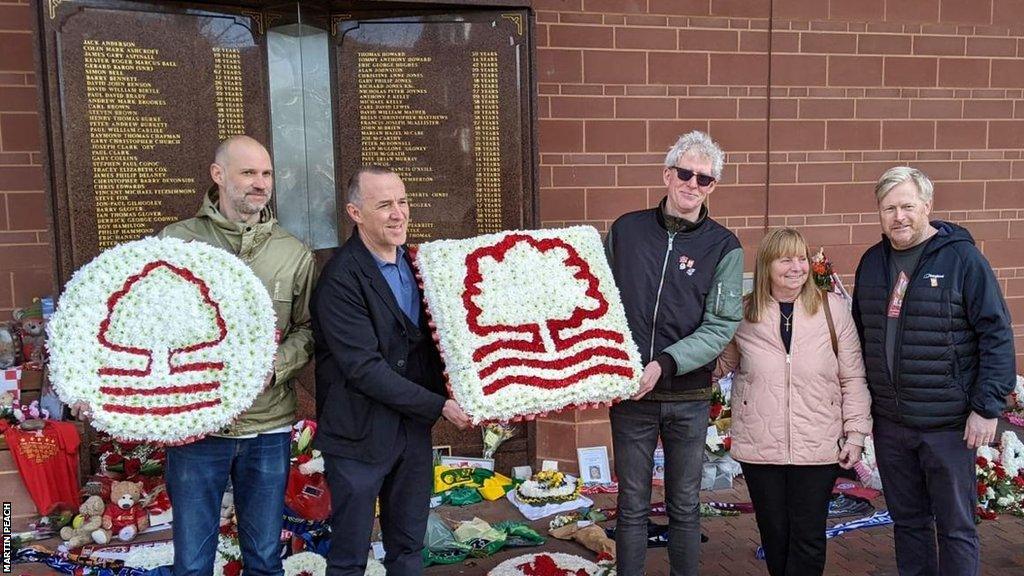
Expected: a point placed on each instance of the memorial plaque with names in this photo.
(140, 97)
(444, 101)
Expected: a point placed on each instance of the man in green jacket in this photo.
(252, 452)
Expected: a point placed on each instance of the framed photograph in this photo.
(658, 474)
(594, 467)
(467, 462)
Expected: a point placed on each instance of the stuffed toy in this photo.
(227, 508)
(33, 335)
(88, 521)
(124, 517)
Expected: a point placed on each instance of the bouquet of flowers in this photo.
(126, 460)
(229, 552)
(307, 493)
(494, 435)
(528, 322)
(825, 277)
(717, 444)
(1016, 413)
(1000, 478)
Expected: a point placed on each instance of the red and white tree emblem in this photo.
(549, 337)
(528, 322)
(164, 349)
(166, 340)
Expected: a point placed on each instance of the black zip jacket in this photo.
(682, 295)
(955, 349)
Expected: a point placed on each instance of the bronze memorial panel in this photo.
(140, 96)
(444, 100)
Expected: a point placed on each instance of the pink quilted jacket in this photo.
(794, 409)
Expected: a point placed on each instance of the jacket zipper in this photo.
(789, 416)
(899, 337)
(657, 299)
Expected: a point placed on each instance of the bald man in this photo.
(253, 451)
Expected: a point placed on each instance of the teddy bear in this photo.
(33, 335)
(88, 520)
(124, 517)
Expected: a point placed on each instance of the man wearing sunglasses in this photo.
(681, 277)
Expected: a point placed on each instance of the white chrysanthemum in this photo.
(150, 556)
(534, 563)
(166, 340)
(988, 453)
(305, 564)
(374, 568)
(1012, 457)
(527, 282)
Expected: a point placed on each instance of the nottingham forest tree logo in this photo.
(166, 340)
(528, 322)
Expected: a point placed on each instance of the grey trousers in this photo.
(636, 426)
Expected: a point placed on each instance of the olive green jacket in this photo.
(285, 266)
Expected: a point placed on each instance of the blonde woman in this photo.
(800, 402)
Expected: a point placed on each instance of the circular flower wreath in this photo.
(166, 340)
(545, 564)
(305, 564)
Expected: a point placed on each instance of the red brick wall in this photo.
(26, 262)
(847, 89)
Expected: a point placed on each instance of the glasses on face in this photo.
(703, 180)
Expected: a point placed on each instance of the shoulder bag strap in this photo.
(831, 324)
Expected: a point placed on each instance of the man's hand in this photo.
(650, 377)
(82, 410)
(453, 413)
(980, 431)
(850, 455)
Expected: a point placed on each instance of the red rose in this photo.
(727, 442)
(716, 411)
(982, 488)
(233, 568)
(303, 458)
(132, 467)
(113, 459)
(1019, 481)
(981, 462)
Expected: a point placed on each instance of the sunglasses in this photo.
(703, 180)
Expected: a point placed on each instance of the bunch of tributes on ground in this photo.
(1015, 413)
(528, 322)
(167, 341)
(1000, 478)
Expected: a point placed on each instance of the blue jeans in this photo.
(197, 475)
(929, 482)
(636, 426)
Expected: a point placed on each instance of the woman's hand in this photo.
(850, 455)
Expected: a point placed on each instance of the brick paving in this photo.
(733, 540)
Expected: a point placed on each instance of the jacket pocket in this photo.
(347, 414)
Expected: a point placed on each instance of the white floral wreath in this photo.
(544, 563)
(166, 340)
(528, 322)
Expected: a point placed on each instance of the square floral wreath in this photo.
(528, 322)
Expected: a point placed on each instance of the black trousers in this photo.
(403, 482)
(791, 506)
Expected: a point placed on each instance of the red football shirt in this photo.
(48, 463)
